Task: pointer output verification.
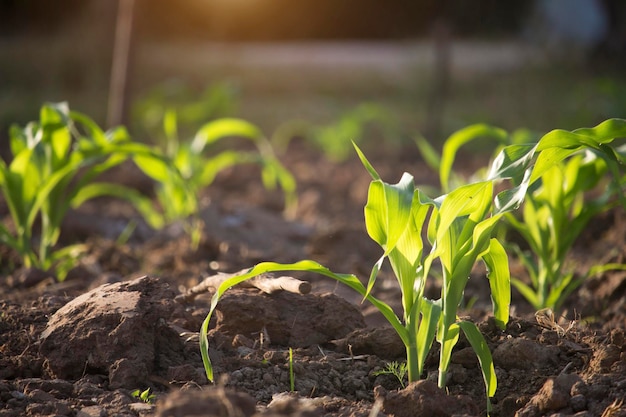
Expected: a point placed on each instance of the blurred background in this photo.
(433, 66)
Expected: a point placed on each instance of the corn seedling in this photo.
(458, 226)
(178, 195)
(292, 379)
(172, 108)
(55, 162)
(215, 101)
(335, 138)
(559, 206)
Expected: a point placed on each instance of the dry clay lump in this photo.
(116, 330)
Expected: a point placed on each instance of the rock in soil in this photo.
(288, 319)
(424, 398)
(209, 402)
(116, 330)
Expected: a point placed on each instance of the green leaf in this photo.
(61, 141)
(479, 345)
(22, 183)
(458, 139)
(64, 259)
(19, 137)
(430, 155)
(54, 114)
(499, 276)
(222, 128)
(406, 256)
(373, 275)
(221, 161)
(143, 204)
(170, 126)
(547, 159)
(606, 131)
(431, 313)
(93, 132)
(512, 162)
(159, 169)
(561, 289)
(467, 200)
(47, 187)
(528, 293)
(366, 163)
(388, 210)
(511, 199)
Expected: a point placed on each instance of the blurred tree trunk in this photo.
(441, 81)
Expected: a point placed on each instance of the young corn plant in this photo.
(54, 166)
(178, 196)
(458, 226)
(560, 204)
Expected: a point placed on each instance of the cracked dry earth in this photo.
(79, 348)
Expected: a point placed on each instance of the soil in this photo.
(80, 347)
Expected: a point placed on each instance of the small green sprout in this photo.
(144, 395)
(399, 370)
(292, 379)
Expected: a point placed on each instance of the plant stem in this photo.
(412, 362)
(412, 358)
(292, 381)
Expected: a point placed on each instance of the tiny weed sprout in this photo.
(144, 395)
(396, 369)
(458, 226)
(54, 167)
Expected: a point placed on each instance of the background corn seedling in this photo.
(55, 163)
(216, 100)
(557, 209)
(335, 138)
(559, 204)
(179, 200)
(169, 105)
